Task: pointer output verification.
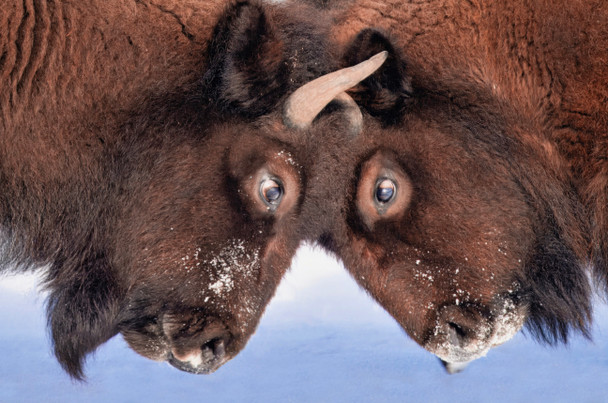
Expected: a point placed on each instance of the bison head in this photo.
(454, 212)
(206, 241)
(201, 218)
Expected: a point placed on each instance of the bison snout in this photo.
(204, 360)
(462, 334)
(197, 344)
(190, 341)
(459, 334)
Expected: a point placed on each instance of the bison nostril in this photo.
(205, 360)
(456, 334)
(220, 348)
(213, 350)
(207, 354)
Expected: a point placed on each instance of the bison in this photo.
(153, 163)
(475, 200)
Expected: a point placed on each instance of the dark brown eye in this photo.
(271, 192)
(385, 191)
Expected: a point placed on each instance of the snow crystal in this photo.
(231, 262)
(287, 157)
(426, 275)
(233, 259)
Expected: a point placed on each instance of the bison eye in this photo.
(271, 192)
(385, 191)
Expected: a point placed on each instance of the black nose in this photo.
(459, 335)
(459, 326)
(204, 360)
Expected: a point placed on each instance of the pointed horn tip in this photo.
(380, 57)
(299, 111)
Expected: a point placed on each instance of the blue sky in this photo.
(321, 340)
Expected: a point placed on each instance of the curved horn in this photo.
(307, 101)
(352, 111)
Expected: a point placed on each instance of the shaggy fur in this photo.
(129, 132)
(547, 59)
(133, 136)
(502, 136)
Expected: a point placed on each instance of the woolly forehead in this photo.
(304, 32)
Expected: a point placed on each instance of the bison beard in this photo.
(82, 312)
(556, 291)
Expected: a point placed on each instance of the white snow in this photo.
(287, 157)
(20, 284)
(231, 260)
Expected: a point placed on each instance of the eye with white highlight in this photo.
(271, 187)
(384, 190)
(271, 192)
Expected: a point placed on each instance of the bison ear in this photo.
(247, 68)
(385, 93)
(82, 311)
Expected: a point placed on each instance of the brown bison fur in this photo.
(129, 134)
(492, 122)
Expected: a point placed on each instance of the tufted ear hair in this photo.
(385, 93)
(82, 310)
(247, 70)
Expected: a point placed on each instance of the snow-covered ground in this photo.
(321, 340)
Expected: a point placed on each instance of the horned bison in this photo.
(148, 167)
(474, 201)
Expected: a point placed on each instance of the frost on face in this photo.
(287, 157)
(233, 260)
(224, 283)
(508, 322)
(231, 263)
